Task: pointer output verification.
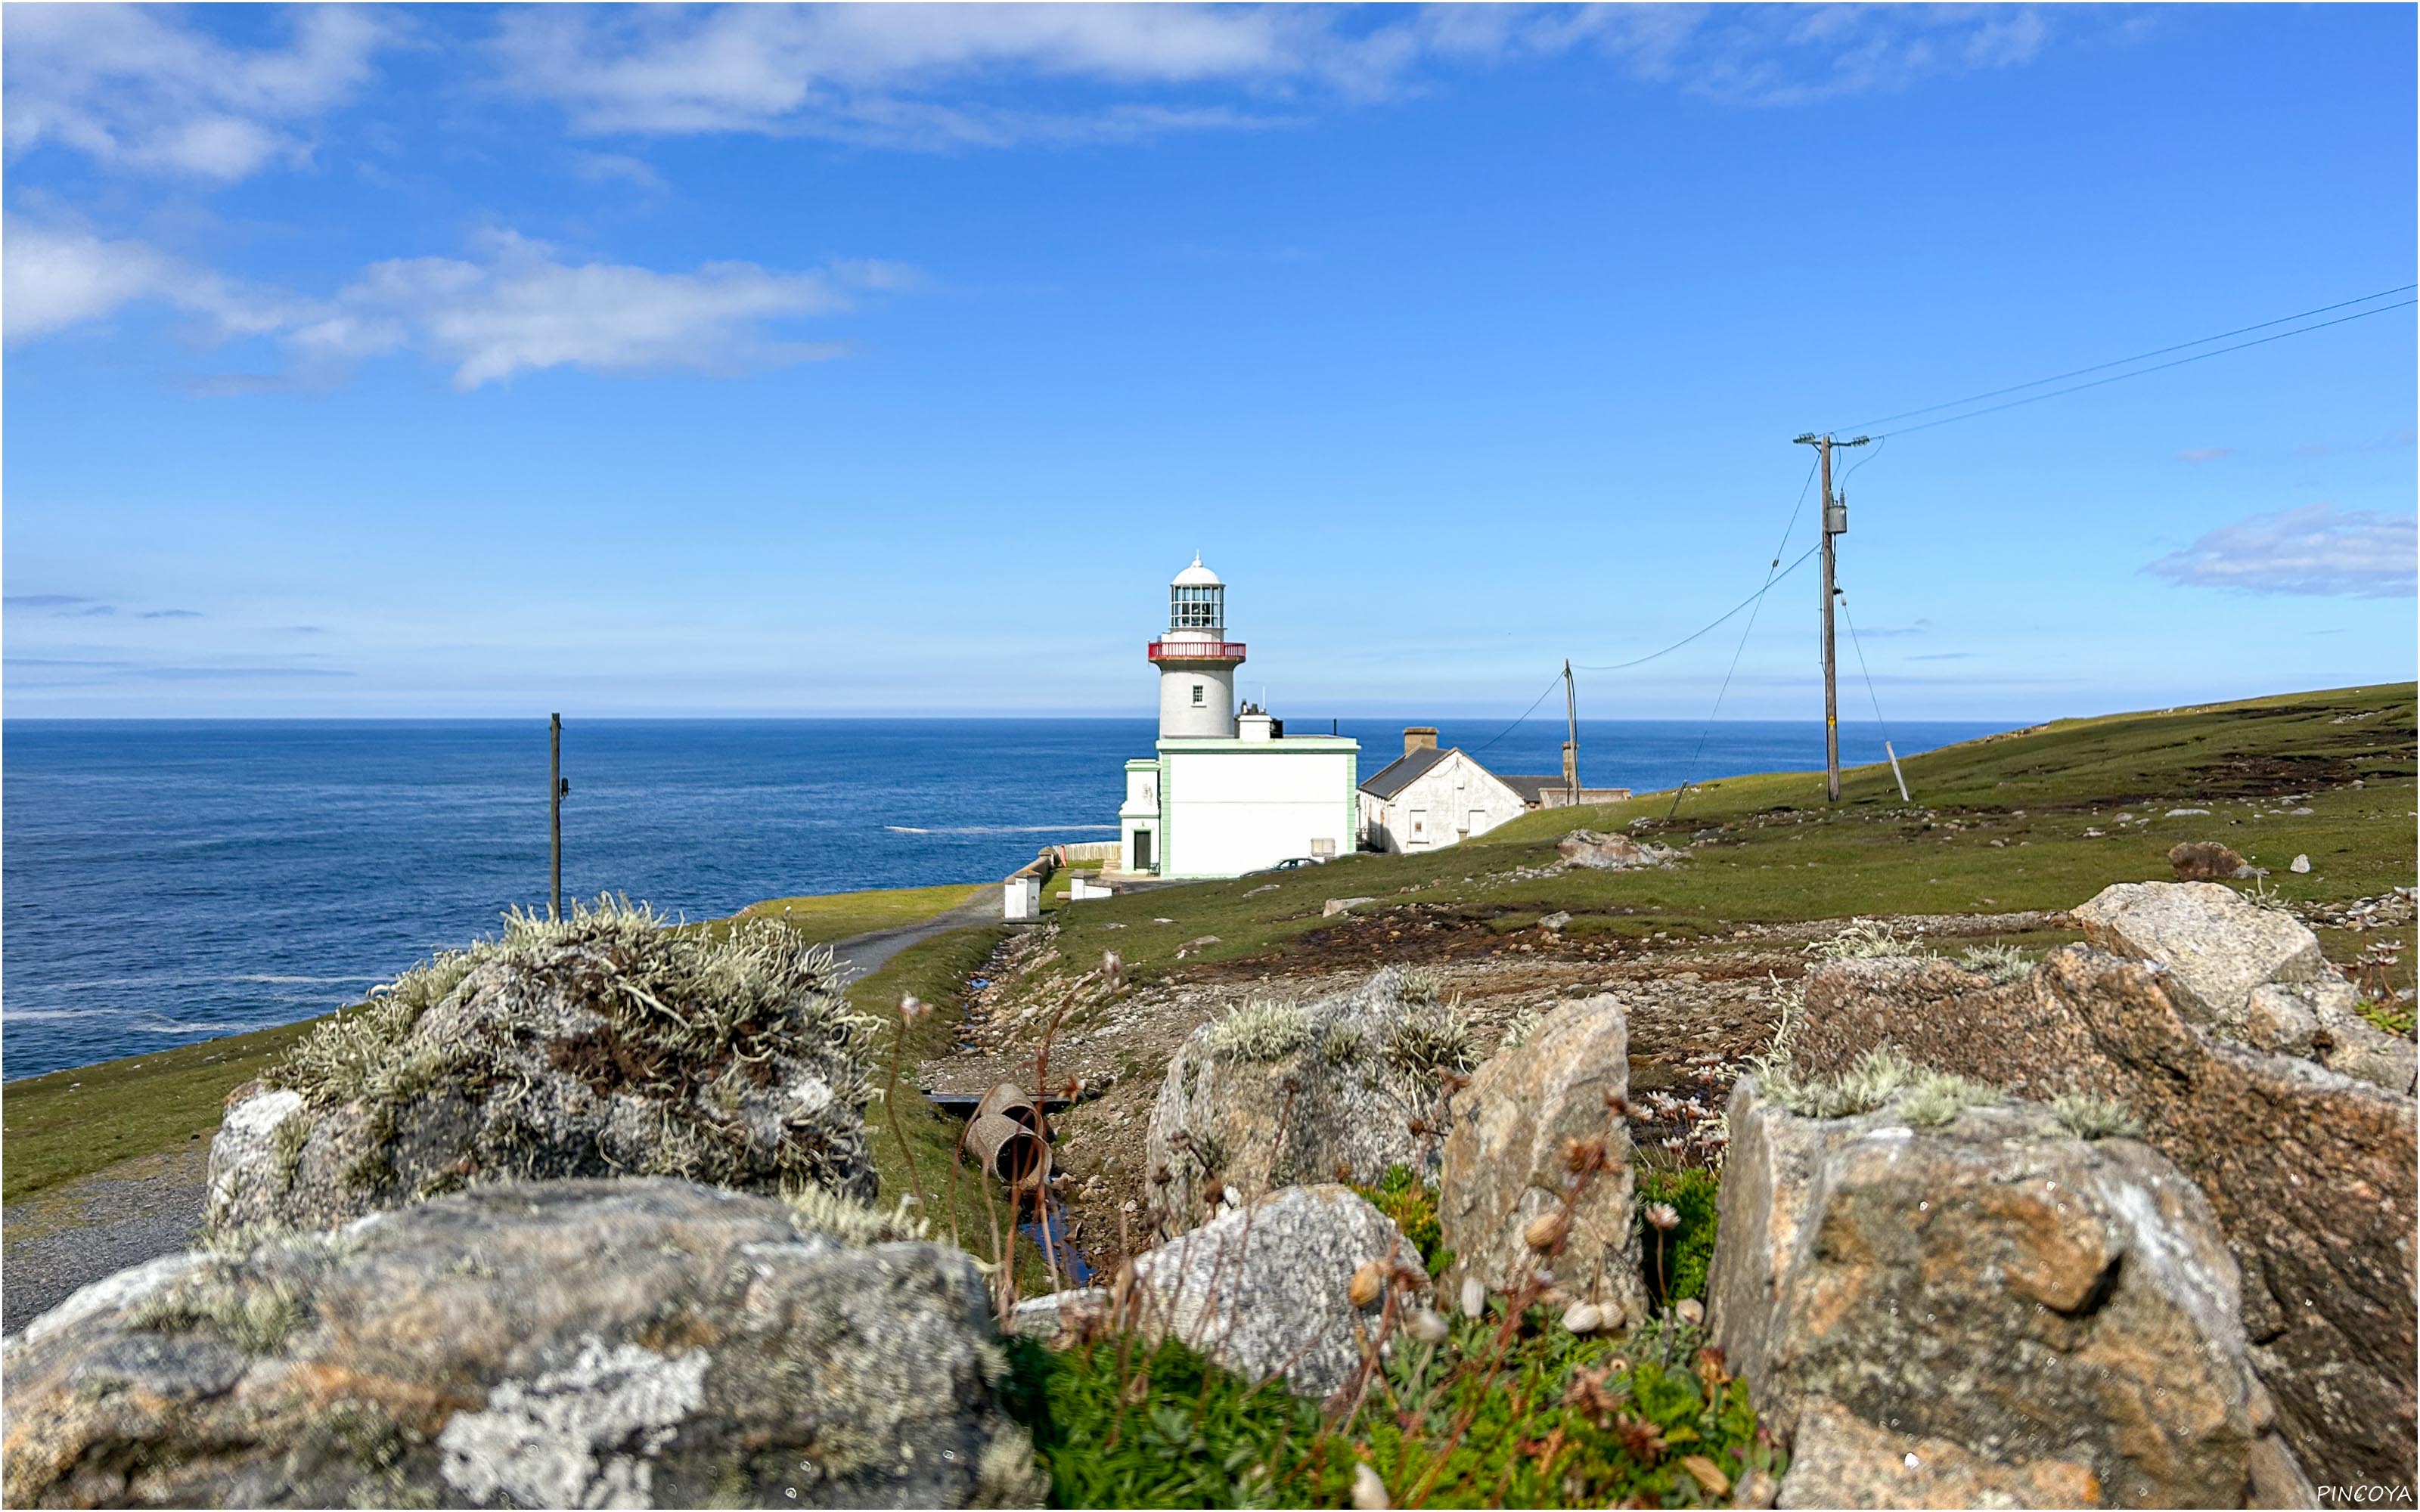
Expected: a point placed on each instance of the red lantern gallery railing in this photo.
(1195, 651)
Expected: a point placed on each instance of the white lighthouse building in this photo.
(1229, 791)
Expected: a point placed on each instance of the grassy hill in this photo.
(2036, 819)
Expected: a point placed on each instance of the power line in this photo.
(1524, 717)
(1880, 442)
(2036, 398)
(2142, 357)
(1860, 647)
(1770, 583)
(1771, 576)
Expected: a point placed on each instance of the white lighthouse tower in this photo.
(1226, 792)
(1197, 662)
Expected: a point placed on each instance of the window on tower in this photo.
(1197, 695)
(1197, 609)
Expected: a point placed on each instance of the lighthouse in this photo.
(1227, 791)
(1197, 662)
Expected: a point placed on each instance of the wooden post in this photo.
(1831, 680)
(1570, 737)
(555, 812)
(1824, 445)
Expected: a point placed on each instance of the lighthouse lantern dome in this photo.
(1196, 601)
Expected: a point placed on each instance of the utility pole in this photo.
(1836, 523)
(554, 786)
(1570, 737)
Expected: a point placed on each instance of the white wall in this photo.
(1181, 718)
(1452, 801)
(1238, 810)
(1140, 813)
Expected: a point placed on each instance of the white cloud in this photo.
(917, 76)
(1795, 55)
(2315, 549)
(56, 277)
(616, 167)
(878, 74)
(524, 308)
(521, 307)
(130, 86)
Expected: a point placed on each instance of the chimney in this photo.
(1419, 737)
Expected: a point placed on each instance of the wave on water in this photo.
(170, 980)
(159, 1024)
(994, 829)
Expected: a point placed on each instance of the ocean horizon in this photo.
(174, 880)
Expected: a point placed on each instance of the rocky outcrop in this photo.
(1264, 1291)
(1278, 1094)
(2251, 974)
(1981, 1311)
(2310, 1173)
(627, 1343)
(606, 1044)
(1608, 853)
(1536, 1134)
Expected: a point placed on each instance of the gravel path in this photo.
(79, 1232)
(864, 954)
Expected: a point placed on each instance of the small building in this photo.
(1558, 791)
(1430, 799)
(1227, 792)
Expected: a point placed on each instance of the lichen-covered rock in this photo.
(606, 1044)
(2252, 974)
(1282, 1094)
(2310, 1173)
(1984, 1311)
(627, 1343)
(1608, 853)
(1509, 1161)
(1263, 1291)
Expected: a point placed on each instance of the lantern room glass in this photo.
(1197, 609)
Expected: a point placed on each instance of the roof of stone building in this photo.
(1403, 772)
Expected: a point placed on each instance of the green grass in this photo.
(1779, 854)
(1497, 1413)
(72, 1123)
(936, 971)
(839, 916)
(1678, 1261)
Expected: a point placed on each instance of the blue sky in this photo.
(471, 362)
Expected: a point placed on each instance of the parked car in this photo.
(1292, 863)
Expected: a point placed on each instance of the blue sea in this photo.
(172, 881)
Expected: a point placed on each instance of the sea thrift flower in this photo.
(1661, 1215)
(912, 1008)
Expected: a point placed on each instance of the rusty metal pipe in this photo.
(1009, 1150)
(1007, 1101)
